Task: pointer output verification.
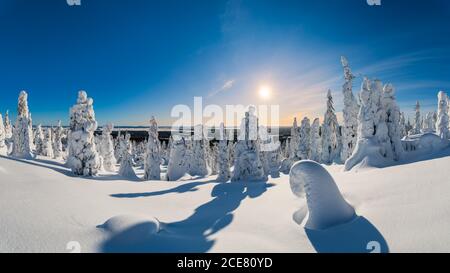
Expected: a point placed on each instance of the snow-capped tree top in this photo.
(330, 106)
(82, 115)
(388, 90)
(364, 95)
(153, 130)
(347, 72)
(442, 96)
(417, 108)
(108, 128)
(22, 108)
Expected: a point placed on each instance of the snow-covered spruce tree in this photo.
(153, 153)
(429, 123)
(223, 163)
(402, 125)
(316, 143)
(39, 141)
(47, 147)
(381, 127)
(265, 150)
(107, 148)
(247, 164)
(8, 126)
(392, 115)
(330, 133)
(199, 165)
(378, 130)
(177, 167)
(123, 147)
(304, 147)
(293, 144)
(295, 140)
(350, 114)
(3, 147)
(274, 158)
(231, 146)
(417, 126)
(442, 122)
(23, 134)
(213, 153)
(57, 143)
(83, 158)
(126, 165)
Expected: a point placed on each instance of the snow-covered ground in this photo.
(403, 208)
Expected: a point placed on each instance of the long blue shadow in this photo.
(193, 233)
(357, 236)
(188, 187)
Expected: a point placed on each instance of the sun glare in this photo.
(264, 92)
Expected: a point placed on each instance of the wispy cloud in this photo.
(227, 85)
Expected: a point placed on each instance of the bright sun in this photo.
(264, 92)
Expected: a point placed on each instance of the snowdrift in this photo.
(326, 205)
(366, 155)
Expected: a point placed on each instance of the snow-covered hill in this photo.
(404, 208)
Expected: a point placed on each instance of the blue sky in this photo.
(140, 58)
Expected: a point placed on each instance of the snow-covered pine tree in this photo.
(330, 133)
(153, 153)
(107, 148)
(23, 134)
(199, 166)
(417, 120)
(304, 147)
(350, 113)
(83, 158)
(57, 143)
(47, 147)
(39, 141)
(126, 165)
(442, 122)
(223, 163)
(247, 164)
(392, 115)
(3, 147)
(316, 143)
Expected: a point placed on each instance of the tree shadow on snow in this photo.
(52, 165)
(357, 236)
(184, 188)
(193, 233)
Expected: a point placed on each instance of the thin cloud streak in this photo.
(227, 85)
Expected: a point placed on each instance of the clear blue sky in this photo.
(139, 58)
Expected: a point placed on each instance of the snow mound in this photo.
(326, 205)
(136, 227)
(366, 155)
(428, 142)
